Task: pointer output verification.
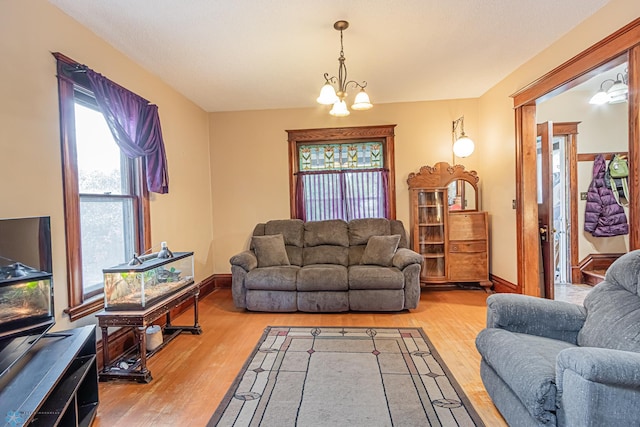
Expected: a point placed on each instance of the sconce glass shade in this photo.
(599, 98)
(618, 89)
(362, 101)
(327, 95)
(463, 147)
(339, 109)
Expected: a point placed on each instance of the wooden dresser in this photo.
(447, 228)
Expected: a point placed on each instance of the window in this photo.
(343, 173)
(106, 202)
(105, 175)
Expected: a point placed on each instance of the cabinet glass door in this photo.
(430, 233)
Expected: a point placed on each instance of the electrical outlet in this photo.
(583, 195)
(513, 204)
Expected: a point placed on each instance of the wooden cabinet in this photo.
(468, 247)
(446, 227)
(429, 232)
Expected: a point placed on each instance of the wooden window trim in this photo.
(79, 306)
(344, 134)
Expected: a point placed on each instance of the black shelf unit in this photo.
(55, 384)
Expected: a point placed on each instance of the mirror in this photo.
(462, 196)
(462, 185)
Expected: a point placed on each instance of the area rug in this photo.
(335, 376)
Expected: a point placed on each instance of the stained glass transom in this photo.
(360, 155)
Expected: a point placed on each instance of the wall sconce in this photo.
(616, 93)
(462, 145)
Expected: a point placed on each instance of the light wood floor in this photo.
(192, 374)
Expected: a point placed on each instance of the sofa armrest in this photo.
(246, 260)
(535, 316)
(404, 257)
(598, 386)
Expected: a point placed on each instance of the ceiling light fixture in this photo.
(617, 92)
(329, 95)
(463, 146)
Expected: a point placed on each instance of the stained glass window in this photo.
(357, 155)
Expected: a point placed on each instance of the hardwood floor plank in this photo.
(192, 374)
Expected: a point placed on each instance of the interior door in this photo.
(544, 151)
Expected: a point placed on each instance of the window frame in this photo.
(382, 133)
(81, 305)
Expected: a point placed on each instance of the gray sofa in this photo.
(327, 266)
(550, 363)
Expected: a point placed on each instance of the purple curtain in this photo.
(135, 126)
(344, 195)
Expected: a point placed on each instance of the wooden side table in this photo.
(133, 364)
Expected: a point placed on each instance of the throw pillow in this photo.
(380, 250)
(270, 250)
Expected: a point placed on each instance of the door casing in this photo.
(621, 46)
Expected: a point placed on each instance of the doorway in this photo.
(621, 46)
(555, 148)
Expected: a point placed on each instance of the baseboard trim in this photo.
(503, 286)
(122, 340)
(222, 280)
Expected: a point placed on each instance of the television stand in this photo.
(133, 364)
(55, 383)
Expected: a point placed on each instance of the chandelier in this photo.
(336, 96)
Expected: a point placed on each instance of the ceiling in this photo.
(265, 54)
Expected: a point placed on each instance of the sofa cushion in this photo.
(281, 278)
(527, 364)
(398, 228)
(325, 254)
(329, 232)
(380, 250)
(291, 229)
(375, 277)
(270, 250)
(322, 277)
(361, 229)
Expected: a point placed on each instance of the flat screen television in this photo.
(26, 286)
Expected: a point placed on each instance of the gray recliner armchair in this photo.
(552, 363)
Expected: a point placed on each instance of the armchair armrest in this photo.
(535, 316)
(598, 386)
(405, 257)
(600, 365)
(247, 260)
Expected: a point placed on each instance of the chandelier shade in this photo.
(327, 95)
(330, 95)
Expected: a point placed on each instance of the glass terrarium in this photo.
(137, 287)
(25, 296)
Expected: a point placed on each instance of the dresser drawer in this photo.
(480, 246)
(471, 266)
